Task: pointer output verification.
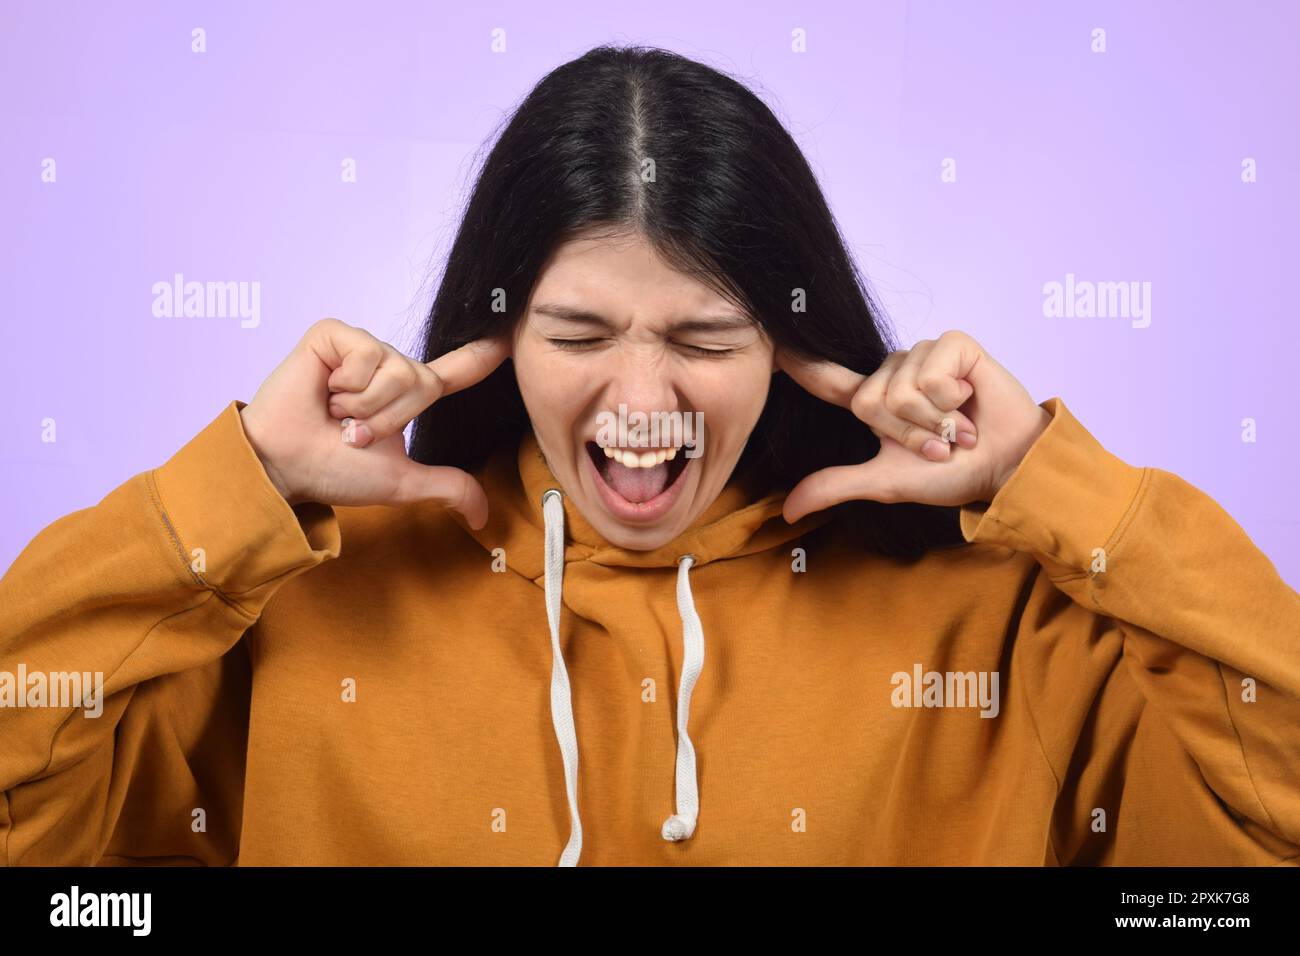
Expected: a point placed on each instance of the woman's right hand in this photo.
(327, 423)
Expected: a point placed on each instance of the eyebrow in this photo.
(721, 323)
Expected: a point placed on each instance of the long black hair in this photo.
(733, 202)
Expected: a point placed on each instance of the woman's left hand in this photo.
(920, 399)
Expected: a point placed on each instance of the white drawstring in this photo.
(681, 825)
(561, 699)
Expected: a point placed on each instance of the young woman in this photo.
(882, 609)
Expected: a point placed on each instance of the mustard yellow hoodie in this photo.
(1107, 673)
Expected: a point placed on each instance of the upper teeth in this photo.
(646, 459)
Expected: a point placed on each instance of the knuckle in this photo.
(429, 380)
(931, 383)
(353, 334)
(437, 385)
(365, 344)
(913, 404)
(328, 326)
(407, 374)
(864, 402)
(368, 350)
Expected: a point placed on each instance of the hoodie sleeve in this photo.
(1159, 652)
(149, 592)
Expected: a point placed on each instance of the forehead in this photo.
(624, 277)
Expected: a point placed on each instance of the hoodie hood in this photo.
(541, 533)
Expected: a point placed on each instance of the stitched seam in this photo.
(1056, 778)
(1129, 517)
(174, 535)
(1241, 746)
(156, 499)
(1028, 547)
(1113, 542)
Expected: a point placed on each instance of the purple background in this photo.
(226, 166)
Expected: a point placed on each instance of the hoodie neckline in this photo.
(739, 521)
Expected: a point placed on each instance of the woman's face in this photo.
(609, 323)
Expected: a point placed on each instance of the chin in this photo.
(635, 540)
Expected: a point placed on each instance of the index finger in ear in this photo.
(829, 381)
(471, 363)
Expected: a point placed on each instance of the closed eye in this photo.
(572, 343)
(699, 350)
(576, 344)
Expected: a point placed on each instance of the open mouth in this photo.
(638, 475)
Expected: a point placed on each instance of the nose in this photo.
(642, 379)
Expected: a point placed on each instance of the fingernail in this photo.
(966, 439)
(935, 449)
(354, 433)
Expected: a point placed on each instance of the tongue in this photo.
(636, 484)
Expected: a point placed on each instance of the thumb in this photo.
(873, 480)
(451, 487)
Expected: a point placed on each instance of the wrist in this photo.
(1038, 424)
(251, 431)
